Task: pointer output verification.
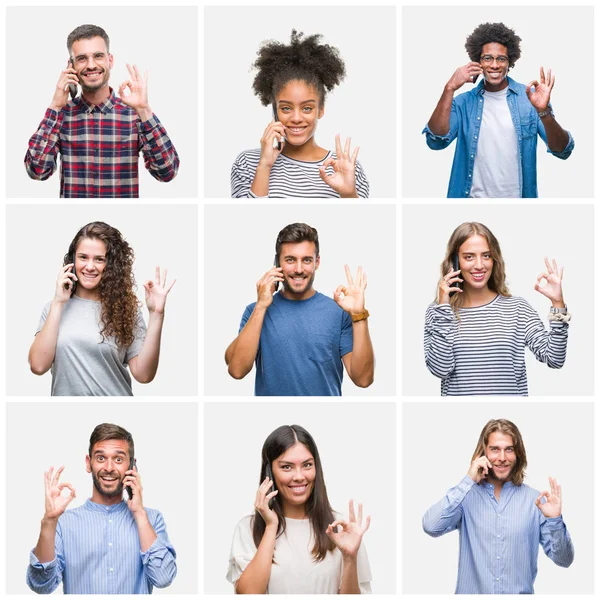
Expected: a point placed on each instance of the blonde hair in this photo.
(508, 428)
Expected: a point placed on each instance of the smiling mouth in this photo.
(109, 479)
(296, 130)
(478, 276)
(298, 489)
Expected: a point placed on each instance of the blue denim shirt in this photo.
(465, 123)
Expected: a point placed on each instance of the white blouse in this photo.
(294, 570)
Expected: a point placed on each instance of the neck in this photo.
(289, 295)
(97, 96)
(99, 498)
(477, 297)
(309, 151)
(293, 511)
(87, 294)
(490, 87)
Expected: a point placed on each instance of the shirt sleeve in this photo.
(43, 318)
(138, 340)
(243, 550)
(362, 183)
(556, 541)
(347, 337)
(247, 314)
(439, 337)
(158, 561)
(549, 347)
(160, 157)
(241, 178)
(44, 145)
(439, 142)
(566, 151)
(446, 515)
(44, 578)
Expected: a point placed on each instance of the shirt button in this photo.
(480, 100)
(110, 520)
(475, 137)
(478, 118)
(497, 536)
(111, 569)
(497, 557)
(472, 156)
(497, 578)
(109, 544)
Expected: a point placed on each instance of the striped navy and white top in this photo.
(483, 352)
(289, 178)
(97, 551)
(499, 539)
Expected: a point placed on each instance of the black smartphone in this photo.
(276, 264)
(276, 142)
(456, 267)
(474, 79)
(73, 282)
(269, 473)
(132, 463)
(72, 86)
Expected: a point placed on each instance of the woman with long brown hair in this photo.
(476, 332)
(93, 328)
(294, 543)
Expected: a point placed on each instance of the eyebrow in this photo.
(117, 452)
(301, 257)
(95, 256)
(303, 102)
(287, 462)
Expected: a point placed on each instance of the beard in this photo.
(96, 86)
(308, 285)
(99, 485)
(491, 476)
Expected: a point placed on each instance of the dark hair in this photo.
(318, 509)
(497, 281)
(508, 428)
(304, 59)
(487, 33)
(118, 316)
(296, 233)
(87, 32)
(108, 431)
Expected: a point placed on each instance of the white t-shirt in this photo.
(85, 364)
(294, 570)
(496, 169)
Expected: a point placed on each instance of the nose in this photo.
(502, 455)
(298, 266)
(296, 116)
(298, 474)
(478, 262)
(87, 266)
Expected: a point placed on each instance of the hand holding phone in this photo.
(266, 286)
(65, 283)
(132, 464)
(468, 73)
(276, 143)
(72, 86)
(67, 78)
(479, 468)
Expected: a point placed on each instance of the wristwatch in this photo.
(558, 311)
(361, 316)
(546, 112)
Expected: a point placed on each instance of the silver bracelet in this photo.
(559, 316)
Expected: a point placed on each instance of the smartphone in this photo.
(71, 259)
(132, 463)
(269, 473)
(72, 86)
(276, 142)
(276, 264)
(456, 267)
(474, 81)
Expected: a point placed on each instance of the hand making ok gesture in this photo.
(351, 297)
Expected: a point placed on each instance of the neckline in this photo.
(481, 305)
(306, 162)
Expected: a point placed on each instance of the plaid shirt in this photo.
(99, 147)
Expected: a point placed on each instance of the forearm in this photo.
(241, 354)
(439, 340)
(44, 550)
(260, 185)
(445, 515)
(160, 157)
(363, 359)
(556, 136)
(145, 530)
(350, 577)
(147, 359)
(43, 349)
(439, 122)
(40, 158)
(255, 578)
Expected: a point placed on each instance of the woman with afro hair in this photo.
(497, 122)
(93, 328)
(294, 78)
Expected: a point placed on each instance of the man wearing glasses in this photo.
(497, 122)
(99, 135)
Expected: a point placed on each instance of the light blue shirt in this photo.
(97, 551)
(499, 539)
(465, 123)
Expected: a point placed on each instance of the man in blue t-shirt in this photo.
(298, 337)
(496, 123)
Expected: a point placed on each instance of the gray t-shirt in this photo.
(84, 363)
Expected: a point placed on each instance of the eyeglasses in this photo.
(82, 59)
(488, 59)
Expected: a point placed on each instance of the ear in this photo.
(322, 110)
(318, 262)
(88, 466)
(111, 60)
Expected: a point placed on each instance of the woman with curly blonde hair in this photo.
(476, 332)
(93, 328)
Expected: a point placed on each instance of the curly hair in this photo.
(487, 33)
(497, 281)
(304, 59)
(118, 314)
